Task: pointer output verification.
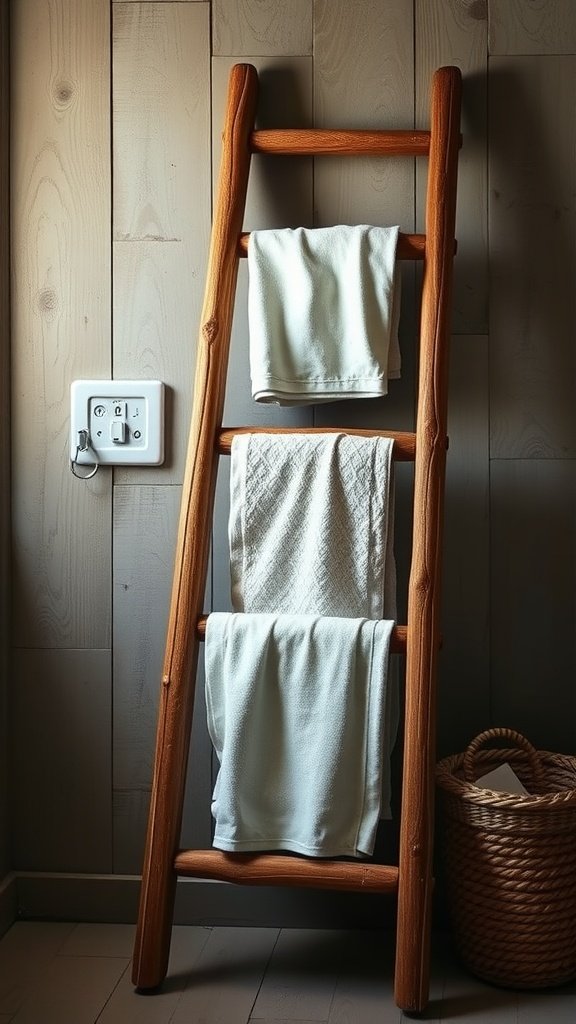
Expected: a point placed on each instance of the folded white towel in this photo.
(311, 525)
(298, 714)
(323, 310)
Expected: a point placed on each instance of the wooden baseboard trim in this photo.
(8, 902)
(114, 899)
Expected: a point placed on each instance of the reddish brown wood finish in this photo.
(417, 815)
(404, 442)
(413, 877)
(334, 142)
(177, 693)
(409, 247)
(272, 869)
(397, 643)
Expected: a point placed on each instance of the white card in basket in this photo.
(502, 780)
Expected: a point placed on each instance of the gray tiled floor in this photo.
(79, 974)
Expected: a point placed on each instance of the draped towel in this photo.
(299, 716)
(323, 312)
(311, 525)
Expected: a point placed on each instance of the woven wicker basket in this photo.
(511, 862)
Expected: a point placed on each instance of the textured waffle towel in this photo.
(299, 717)
(323, 310)
(311, 525)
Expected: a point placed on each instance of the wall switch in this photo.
(124, 420)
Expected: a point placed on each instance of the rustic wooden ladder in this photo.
(412, 879)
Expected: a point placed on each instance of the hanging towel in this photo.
(298, 715)
(323, 311)
(311, 525)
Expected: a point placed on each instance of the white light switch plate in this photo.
(124, 420)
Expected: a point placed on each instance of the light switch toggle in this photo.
(118, 431)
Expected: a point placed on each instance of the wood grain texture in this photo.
(464, 663)
(61, 760)
(279, 195)
(533, 550)
(193, 544)
(364, 78)
(455, 32)
(263, 869)
(408, 247)
(339, 142)
(61, 315)
(415, 881)
(532, 257)
(262, 27)
(162, 202)
(544, 27)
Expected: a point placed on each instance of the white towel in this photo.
(323, 311)
(311, 525)
(298, 715)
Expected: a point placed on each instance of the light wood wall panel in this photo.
(262, 27)
(279, 195)
(145, 526)
(162, 205)
(332, 63)
(533, 600)
(61, 757)
(61, 315)
(528, 27)
(464, 665)
(5, 611)
(532, 257)
(455, 32)
(364, 78)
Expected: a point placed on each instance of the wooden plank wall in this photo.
(117, 109)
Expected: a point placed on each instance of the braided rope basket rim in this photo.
(511, 862)
(556, 779)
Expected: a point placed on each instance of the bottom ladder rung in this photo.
(272, 869)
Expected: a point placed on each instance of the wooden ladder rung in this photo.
(409, 247)
(404, 449)
(339, 142)
(397, 641)
(269, 869)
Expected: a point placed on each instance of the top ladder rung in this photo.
(339, 142)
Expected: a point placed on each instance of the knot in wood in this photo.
(210, 330)
(63, 92)
(47, 300)
(478, 10)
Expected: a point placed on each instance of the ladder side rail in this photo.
(415, 881)
(177, 691)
